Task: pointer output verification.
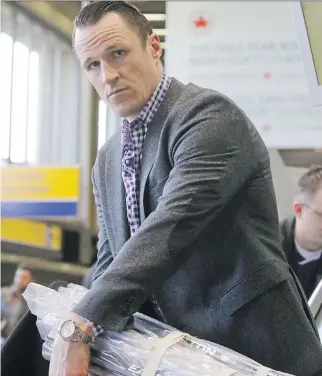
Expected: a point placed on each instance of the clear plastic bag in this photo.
(127, 353)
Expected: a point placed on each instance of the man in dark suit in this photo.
(13, 305)
(302, 233)
(186, 211)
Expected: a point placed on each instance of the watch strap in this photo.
(80, 336)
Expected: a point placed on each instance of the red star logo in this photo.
(267, 75)
(200, 22)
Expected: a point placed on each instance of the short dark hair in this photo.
(93, 12)
(24, 267)
(311, 181)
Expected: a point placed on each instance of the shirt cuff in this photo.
(97, 329)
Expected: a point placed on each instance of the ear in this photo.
(298, 209)
(156, 46)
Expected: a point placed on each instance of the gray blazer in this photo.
(208, 251)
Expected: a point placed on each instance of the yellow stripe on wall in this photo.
(39, 183)
(31, 233)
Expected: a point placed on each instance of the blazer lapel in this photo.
(116, 195)
(152, 139)
(150, 148)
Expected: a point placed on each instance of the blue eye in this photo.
(93, 65)
(119, 53)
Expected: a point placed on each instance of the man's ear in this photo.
(156, 46)
(298, 209)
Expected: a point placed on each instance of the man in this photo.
(188, 226)
(302, 234)
(13, 305)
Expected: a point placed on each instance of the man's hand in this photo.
(69, 358)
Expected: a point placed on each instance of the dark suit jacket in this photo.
(287, 226)
(208, 252)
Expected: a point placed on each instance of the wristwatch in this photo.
(71, 332)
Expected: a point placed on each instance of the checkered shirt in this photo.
(133, 136)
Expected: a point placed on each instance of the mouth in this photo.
(115, 92)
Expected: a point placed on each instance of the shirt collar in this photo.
(153, 104)
(308, 256)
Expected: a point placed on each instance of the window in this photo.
(19, 70)
(6, 46)
(102, 131)
(108, 123)
(19, 103)
(39, 92)
(33, 108)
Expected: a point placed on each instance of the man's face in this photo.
(310, 217)
(123, 71)
(22, 279)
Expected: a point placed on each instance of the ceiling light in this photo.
(155, 16)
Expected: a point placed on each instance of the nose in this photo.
(109, 74)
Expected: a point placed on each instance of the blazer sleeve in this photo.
(213, 157)
(104, 255)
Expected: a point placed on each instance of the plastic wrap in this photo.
(127, 353)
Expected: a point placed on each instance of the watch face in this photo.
(67, 329)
